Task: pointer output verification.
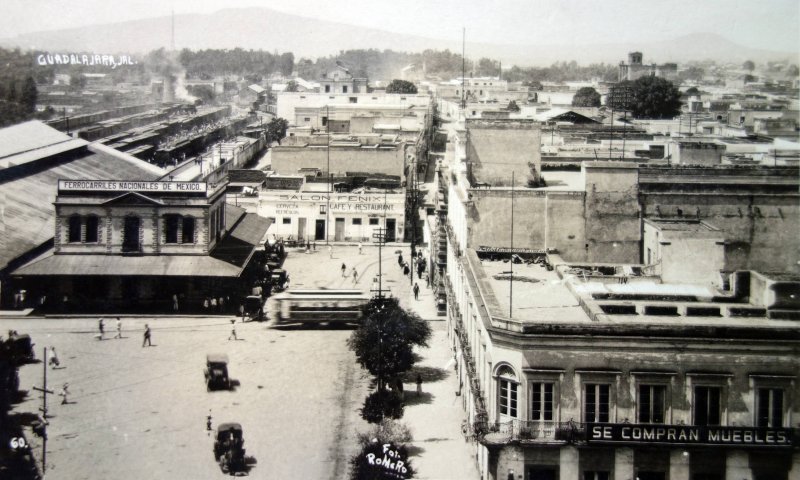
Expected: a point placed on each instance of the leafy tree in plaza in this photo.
(276, 129)
(512, 106)
(386, 431)
(653, 97)
(384, 341)
(366, 465)
(401, 86)
(692, 91)
(291, 86)
(586, 97)
(749, 65)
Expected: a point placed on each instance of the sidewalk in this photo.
(439, 451)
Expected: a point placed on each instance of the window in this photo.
(324, 121)
(353, 99)
(596, 402)
(373, 221)
(171, 226)
(322, 208)
(356, 221)
(327, 89)
(74, 229)
(769, 407)
(187, 235)
(287, 220)
(507, 392)
(651, 403)
(130, 239)
(344, 88)
(706, 405)
(306, 119)
(92, 224)
(542, 401)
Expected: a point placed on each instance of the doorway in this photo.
(391, 223)
(319, 230)
(130, 240)
(301, 229)
(339, 230)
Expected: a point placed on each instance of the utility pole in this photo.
(511, 277)
(328, 152)
(43, 409)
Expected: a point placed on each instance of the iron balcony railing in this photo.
(529, 431)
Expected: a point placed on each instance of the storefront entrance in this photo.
(301, 228)
(391, 223)
(339, 231)
(319, 230)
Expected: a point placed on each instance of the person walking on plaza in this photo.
(419, 384)
(330, 251)
(416, 291)
(147, 336)
(233, 330)
(54, 362)
(119, 329)
(355, 276)
(101, 326)
(344, 270)
(63, 393)
(360, 246)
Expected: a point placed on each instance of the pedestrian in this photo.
(419, 384)
(406, 270)
(63, 393)
(314, 246)
(147, 336)
(344, 270)
(175, 303)
(119, 329)
(213, 304)
(221, 304)
(241, 310)
(330, 251)
(233, 330)
(101, 327)
(360, 246)
(54, 362)
(416, 291)
(206, 303)
(355, 276)
(400, 259)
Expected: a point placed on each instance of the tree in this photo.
(512, 106)
(653, 97)
(384, 341)
(586, 97)
(28, 95)
(291, 86)
(401, 86)
(692, 91)
(749, 65)
(692, 73)
(382, 404)
(793, 71)
(276, 130)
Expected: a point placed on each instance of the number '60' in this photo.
(17, 442)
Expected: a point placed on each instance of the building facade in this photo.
(635, 69)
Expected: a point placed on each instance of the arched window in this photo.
(74, 229)
(92, 230)
(171, 224)
(188, 230)
(507, 387)
(130, 239)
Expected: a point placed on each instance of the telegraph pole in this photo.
(328, 151)
(511, 277)
(43, 409)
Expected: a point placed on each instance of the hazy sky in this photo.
(772, 24)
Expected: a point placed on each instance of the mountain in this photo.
(307, 37)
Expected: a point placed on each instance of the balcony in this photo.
(528, 432)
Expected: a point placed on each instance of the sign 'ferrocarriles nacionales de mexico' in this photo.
(131, 186)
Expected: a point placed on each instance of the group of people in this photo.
(353, 274)
(101, 326)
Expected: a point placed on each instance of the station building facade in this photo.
(139, 245)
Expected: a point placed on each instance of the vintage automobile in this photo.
(254, 307)
(216, 372)
(229, 447)
(278, 279)
(19, 348)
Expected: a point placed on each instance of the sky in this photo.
(772, 24)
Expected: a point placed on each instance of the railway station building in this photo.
(145, 246)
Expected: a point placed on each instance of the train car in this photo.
(317, 306)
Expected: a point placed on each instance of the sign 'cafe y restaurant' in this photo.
(150, 246)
